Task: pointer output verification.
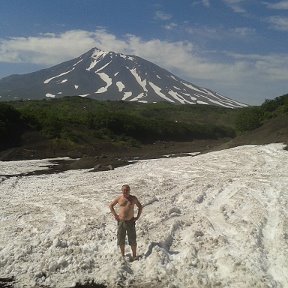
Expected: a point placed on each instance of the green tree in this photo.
(249, 119)
(11, 126)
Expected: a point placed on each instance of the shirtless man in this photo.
(126, 219)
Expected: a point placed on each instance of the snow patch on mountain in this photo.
(120, 86)
(221, 104)
(137, 98)
(179, 98)
(78, 62)
(202, 102)
(49, 95)
(97, 56)
(158, 91)
(192, 87)
(142, 83)
(97, 53)
(106, 79)
(57, 76)
(127, 95)
(101, 68)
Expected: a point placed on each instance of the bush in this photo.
(11, 126)
(249, 119)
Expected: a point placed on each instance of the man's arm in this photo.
(140, 208)
(111, 206)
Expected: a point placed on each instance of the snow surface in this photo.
(101, 68)
(120, 86)
(158, 91)
(192, 87)
(97, 55)
(127, 95)
(142, 83)
(49, 95)
(201, 102)
(106, 79)
(226, 102)
(137, 98)
(57, 76)
(77, 62)
(179, 98)
(213, 220)
(17, 167)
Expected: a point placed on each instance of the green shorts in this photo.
(126, 227)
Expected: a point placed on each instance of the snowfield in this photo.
(213, 220)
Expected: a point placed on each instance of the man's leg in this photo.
(122, 249)
(134, 250)
(121, 234)
(131, 231)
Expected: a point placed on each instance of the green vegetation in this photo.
(78, 122)
(81, 121)
(11, 126)
(251, 118)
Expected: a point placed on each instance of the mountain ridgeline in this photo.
(110, 76)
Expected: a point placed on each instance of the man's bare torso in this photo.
(126, 210)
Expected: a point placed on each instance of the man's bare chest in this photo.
(124, 202)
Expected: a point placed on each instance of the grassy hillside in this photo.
(265, 124)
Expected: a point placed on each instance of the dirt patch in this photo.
(107, 156)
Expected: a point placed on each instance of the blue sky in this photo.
(238, 48)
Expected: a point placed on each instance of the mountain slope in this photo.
(109, 76)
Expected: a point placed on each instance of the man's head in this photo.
(126, 190)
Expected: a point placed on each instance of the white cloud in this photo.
(170, 26)
(269, 67)
(206, 3)
(221, 32)
(243, 31)
(282, 5)
(45, 49)
(50, 49)
(235, 5)
(231, 75)
(162, 15)
(279, 23)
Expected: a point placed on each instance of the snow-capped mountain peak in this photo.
(110, 76)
